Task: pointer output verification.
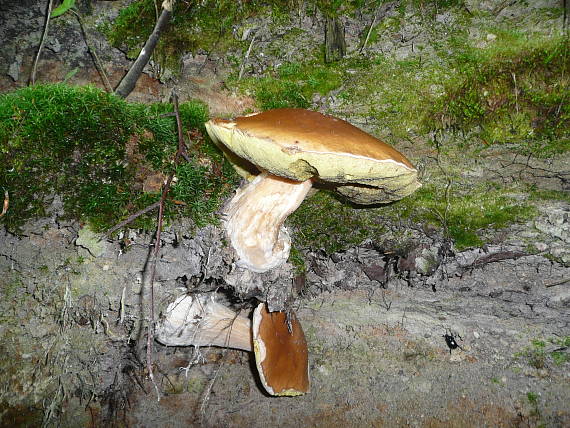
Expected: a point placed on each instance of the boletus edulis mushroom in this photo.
(291, 149)
(276, 338)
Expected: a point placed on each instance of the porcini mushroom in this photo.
(276, 338)
(292, 148)
(281, 354)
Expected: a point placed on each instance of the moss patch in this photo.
(466, 216)
(467, 213)
(292, 84)
(514, 91)
(101, 155)
(205, 25)
(542, 353)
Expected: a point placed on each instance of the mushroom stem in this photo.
(254, 220)
(197, 320)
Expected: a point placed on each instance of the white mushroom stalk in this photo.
(254, 220)
(198, 320)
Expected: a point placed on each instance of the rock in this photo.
(14, 69)
(91, 241)
(555, 223)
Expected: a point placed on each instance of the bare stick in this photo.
(242, 68)
(566, 17)
(6, 203)
(370, 30)
(179, 155)
(129, 81)
(131, 218)
(41, 46)
(516, 91)
(93, 53)
(555, 283)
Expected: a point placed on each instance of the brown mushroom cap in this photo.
(281, 355)
(301, 144)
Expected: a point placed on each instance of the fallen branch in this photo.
(6, 203)
(41, 46)
(93, 52)
(244, 62)
(129, 81)
(131, 218)
(180, 154)
(370, 30)
(555, 283)
(493, 258)
(498, 257)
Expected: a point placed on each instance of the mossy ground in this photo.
(503, 87)
(99, 153)
(324, 222)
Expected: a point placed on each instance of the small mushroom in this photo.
(276, 338)
(290, 149)
(281, 354)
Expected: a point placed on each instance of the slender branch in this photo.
(129, 81)
(93, 53)
(370, 30)
(131, 218)
(555, 283)
(6, 203)
(179, 155)
(42, 41)
(242, 68)
(566, 18)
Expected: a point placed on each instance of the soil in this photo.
(73, 310)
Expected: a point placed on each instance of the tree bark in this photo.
(335, 44)
(129, 81)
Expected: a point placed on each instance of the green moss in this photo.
(297, 260)
(538, 356)
(559, 356)
(95, 151)
(324, 222)
(292, 84)
(532, 398)
(548, 195)
(54, 137)
(466, 216)
(393, 95)
(205, 26)
(514, 91)
(466, 213)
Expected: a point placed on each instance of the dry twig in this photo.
(132, 218)
(6, 203)
(177, 158)
(41, 46)
(93, 52)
